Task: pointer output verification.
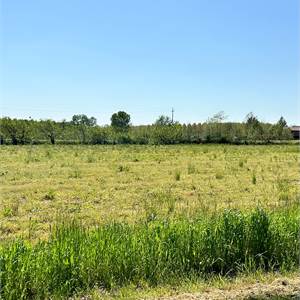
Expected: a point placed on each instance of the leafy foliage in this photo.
(120, 121)
(83, 129)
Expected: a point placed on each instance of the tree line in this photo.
(82, 129)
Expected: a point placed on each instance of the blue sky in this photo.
(60, 58)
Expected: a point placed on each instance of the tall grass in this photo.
(76, 258)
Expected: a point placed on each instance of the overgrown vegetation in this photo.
(84, 130)
(76, 259)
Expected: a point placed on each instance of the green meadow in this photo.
(130, 183)
(78, 217)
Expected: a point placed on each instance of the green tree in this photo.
(9, 128)
(166, 131)
(101, 135)
(83, 123)
(218, 117)
(120, 121)
(163, 121)
(254, 128)
(18, 131)
(84, 120)
(251, 120)
(280, 131)
(170, 134)
(50, 130)
(214, 128)
(282, 122)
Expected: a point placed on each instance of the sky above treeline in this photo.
(60, 58)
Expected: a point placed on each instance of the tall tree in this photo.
(120, 121)
(282, 122)
(218, 117)
(280, 130)
(50, 129)
(254, 127)
(83, 122)
(163, 121)
(18, 131)
(251, 120)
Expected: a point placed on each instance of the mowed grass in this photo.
(101, 184)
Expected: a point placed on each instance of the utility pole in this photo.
(172, 115)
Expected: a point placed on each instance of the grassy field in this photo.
(98, 184)
(80, 219)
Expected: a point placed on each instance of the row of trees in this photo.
(84, 129)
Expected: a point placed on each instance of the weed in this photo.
(76, 173)
(50, 195)
(191, 168)
(122, 168)
(91, 159)
(177, 175)
(11, 210)
(48, 154)
(253, 179)
(219, 175)
(151, 215)
(283, 187)
(8, 212)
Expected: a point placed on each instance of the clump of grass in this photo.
(191, 169)
(253, 179)
(31, 158)
(75, 258)
(283, 188)
(219, 175)
(7, 212)
(91, 159)
(151, 215)
(11, 210)
(160, 199)
(50, 195)
(123, 168)
(241, 163)
(76, 173)
(177, 175)
(48, 154)
(282, 185)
